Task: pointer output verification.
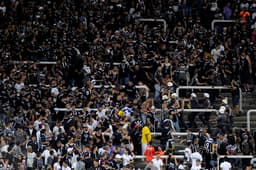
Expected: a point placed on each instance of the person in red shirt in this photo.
(149, 152)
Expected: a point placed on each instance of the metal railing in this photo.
(31, 62)
(232, 156)
(220, 21)
(161, 156)
(249, 118)
(153, 20)
(113, 86)
(174, 133)
(211, 88)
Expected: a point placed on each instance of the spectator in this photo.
(30, 158)
(225, 165)
(149, 153)
(196, 159)
(150, 166)
(145, 137)
(157, 162)
(101, 43)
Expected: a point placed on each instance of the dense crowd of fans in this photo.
(101, 43)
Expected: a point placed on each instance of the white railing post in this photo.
(220, 20)
(249, 118)
(232, 156)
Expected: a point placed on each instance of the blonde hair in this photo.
(29, 148)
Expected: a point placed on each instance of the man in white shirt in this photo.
(225, 165)
(196, 159)
(158, 162)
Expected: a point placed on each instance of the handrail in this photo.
(174, 133)
(153, 20)
(219, 20)
(31, 62)
(231, 156)
(249, 118)
(75, 109)
(161, 156)
(113, 86)
(211, 88)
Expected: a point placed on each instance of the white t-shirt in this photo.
(67, 168)
(56, 130)
(180, 167)
(158, 163)
(225, 165)
(55, 91)
(194, 157)
(56, 166)
(126, 159)
(196, 167)
(30, 159)
(19, 86)
(216, 53)
(46, 154)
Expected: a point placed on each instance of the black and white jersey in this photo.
(208, 145)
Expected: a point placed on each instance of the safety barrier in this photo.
(249, 118)
(220, 21)
(211, 88)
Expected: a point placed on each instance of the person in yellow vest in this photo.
(146, 138)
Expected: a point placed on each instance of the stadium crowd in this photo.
(101, 42)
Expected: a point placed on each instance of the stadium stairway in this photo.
(248, 102)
